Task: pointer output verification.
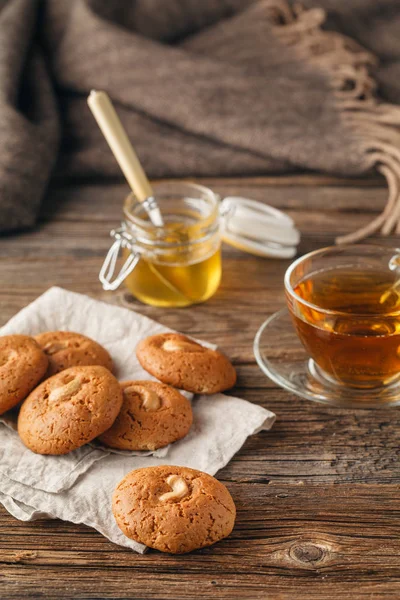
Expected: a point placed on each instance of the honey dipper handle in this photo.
(112, 129)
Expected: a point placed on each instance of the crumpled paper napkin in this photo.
(78, 487)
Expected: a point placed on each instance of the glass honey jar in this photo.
(178, 263)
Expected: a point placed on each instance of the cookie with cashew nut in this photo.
(66, 349)
(153, 415)
(173, 509)
(22, 366)
(183, 363)
(69, 410)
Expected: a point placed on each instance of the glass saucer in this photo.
(282, 357)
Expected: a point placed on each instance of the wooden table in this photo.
(317, 496)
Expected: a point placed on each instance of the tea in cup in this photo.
(345, 306)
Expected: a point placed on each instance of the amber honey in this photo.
(352, 331)
(177, 262)
(177, 284)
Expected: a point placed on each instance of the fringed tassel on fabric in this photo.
(375, 123)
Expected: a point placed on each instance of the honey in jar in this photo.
(166, 284)
(179, 263)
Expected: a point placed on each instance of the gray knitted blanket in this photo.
(210, 87)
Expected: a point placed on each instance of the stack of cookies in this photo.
(70, 397)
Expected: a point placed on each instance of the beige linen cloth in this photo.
(78, 487)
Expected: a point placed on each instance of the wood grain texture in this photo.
(317, 496)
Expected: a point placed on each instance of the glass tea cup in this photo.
(345, 306)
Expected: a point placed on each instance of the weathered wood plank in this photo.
(103, 202)
(316, 540)
(91, 238)
(317, 495)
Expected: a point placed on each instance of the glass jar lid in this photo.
(257, 228)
